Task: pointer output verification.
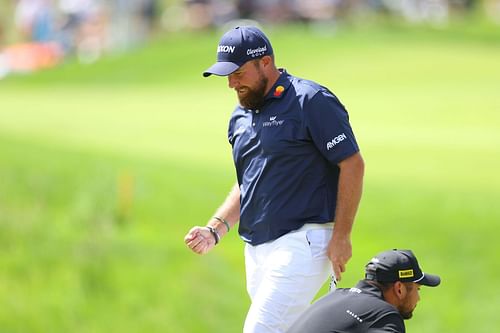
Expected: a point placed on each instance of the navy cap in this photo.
(238, 46)
(398, 265)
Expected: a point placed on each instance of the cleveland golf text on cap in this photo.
(236, 47)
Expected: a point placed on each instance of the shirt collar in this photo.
(369, 289)
(280, 86)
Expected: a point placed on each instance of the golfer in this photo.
(299, 181)
(379, 303)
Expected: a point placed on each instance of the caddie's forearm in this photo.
(228, 214)
(350, 188)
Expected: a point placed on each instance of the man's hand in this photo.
(200, 240)
(348, 197)
(339, 253)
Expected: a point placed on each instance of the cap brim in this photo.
(221, 68)
(429, 280)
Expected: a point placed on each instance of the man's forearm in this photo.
(350, 188)
(229, 211)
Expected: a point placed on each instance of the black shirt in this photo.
(355, 310)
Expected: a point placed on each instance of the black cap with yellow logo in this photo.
(398, 265)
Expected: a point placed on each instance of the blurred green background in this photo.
(105, 167)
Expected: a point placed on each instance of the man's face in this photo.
(409, 303)
(250, 84)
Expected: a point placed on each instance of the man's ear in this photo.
(266, 60)
(399, 289)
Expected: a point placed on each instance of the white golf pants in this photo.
(284, 275)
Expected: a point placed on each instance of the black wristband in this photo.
(214, 233)
(220, 219)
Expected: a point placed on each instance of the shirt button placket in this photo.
(255, 113)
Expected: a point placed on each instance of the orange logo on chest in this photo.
(278, 91)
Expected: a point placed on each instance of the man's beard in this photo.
(405, 310)
(406, 314)
(254, 98)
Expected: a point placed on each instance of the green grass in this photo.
(104, 168)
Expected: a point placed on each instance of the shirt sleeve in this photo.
(391, 323)
(327, 122)
(230, 131)
(232, 123)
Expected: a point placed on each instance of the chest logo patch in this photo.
(272, 122)
(279, 91)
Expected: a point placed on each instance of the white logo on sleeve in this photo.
(355, 316)
(335, 141)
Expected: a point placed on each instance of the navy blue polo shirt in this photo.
(286, 157)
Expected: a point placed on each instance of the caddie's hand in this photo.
(200, 240)
(339, 253)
